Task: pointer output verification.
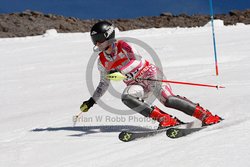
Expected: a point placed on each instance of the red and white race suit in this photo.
(126, 60)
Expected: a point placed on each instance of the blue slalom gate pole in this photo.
(214, 42)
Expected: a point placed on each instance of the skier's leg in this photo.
(188, 107)
(133, 97)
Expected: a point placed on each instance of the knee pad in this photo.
(134, 90)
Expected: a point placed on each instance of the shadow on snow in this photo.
(85, 130)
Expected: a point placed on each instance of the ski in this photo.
(174, 133)
(177, 132)
(127, 136)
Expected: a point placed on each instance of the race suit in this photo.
(125, 60)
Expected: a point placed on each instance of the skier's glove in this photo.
(86, 105)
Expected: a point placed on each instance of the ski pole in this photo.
(183, 83)
(117, 76)
(76, 117)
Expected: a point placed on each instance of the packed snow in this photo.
(43, 83)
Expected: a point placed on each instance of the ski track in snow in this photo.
(43, 83)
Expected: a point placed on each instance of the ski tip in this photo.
(125, 136)
(173, 133)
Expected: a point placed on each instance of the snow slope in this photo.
(43, 83)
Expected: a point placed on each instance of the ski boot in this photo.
(165, 120)
(206, 116)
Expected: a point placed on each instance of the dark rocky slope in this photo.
(29, 23)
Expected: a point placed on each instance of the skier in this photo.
(117, 55)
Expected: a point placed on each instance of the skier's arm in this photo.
(100, 90)
(102, 86)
